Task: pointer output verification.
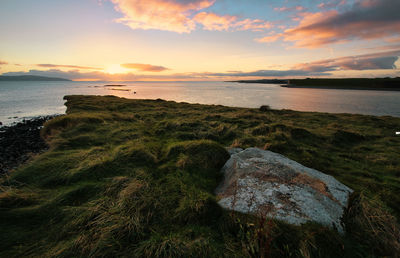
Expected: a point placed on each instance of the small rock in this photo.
(269, 184)
(265, 108)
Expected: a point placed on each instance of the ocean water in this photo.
(21, 100)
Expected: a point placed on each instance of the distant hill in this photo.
(392, 84)
(264, 81)
(30, 78)
(348, 83)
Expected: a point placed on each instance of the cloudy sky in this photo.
(199, 39)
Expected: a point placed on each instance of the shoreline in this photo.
(19, 141)
(382, 84)
(338, 88)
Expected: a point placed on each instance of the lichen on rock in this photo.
(269, 184)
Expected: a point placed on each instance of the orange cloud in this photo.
(269, 39)
(212, 21)
(298, 8)
(68, 66)
(374, 61)
(372, 19)
(393, 39)
(145, 67)
(369, 3)
(169, 15)
(3, 62)
(255, 25)
(180, 16)
(332, 4)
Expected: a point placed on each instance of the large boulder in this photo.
(269, 184)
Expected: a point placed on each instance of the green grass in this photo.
(136, 178)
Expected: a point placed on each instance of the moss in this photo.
(137, 178)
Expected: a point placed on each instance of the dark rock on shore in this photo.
(18, 142)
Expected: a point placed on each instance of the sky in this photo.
(174, 40)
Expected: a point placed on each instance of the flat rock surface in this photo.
(269, 184)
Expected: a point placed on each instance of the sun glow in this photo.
(115, 69)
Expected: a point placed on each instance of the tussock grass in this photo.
(136, 178)
(372, 225)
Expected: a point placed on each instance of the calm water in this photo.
(28, 99)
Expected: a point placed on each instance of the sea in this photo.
(27, 99)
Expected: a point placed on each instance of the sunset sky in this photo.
(199, 39)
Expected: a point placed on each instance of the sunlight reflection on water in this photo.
(28, 99)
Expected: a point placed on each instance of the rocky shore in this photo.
(19, 141)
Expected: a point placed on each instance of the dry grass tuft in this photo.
(371, 224)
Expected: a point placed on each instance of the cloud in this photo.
(268, 39)
(297, 8)
(3, 62)
(181, 16)
(374, 61)
(68, 66)
(169, 15)
(332, 4)
(77, 75)
(270, 73)
(255, 25)
(145, 67)
(72, 75)
(101, 76)
(384, 48)
(212, 21)
(366, 20)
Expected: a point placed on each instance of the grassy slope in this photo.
(136, 178)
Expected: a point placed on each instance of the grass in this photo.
(136, 178)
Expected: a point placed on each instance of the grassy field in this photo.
(136, 178)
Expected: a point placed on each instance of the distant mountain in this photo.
(264, 81)
(30, 78)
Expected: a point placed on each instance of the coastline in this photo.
(337, 87)
(228, 94)
(19, 141)
(377, 84)
(111, 155)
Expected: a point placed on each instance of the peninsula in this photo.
(391, 84)
(30, 78)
